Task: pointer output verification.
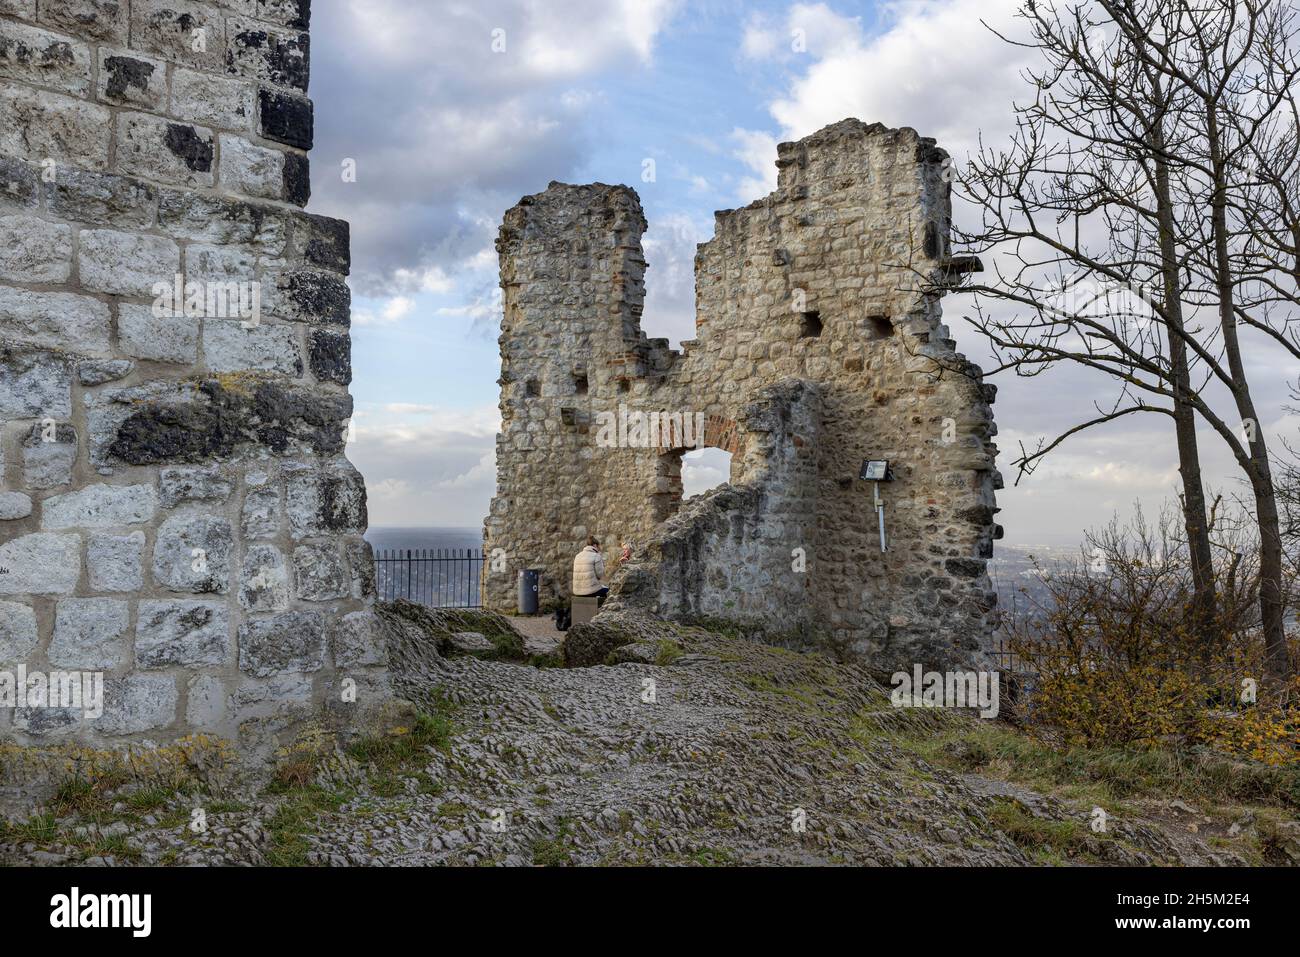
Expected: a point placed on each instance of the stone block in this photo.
(165, 338)
(45, 126)
(181, 31)
(289, 642)
(220, 263)
(115, 562)
(180, 484)
(132, 79)
(264, 580)
(33, 384)
(89, 633)
(165, 150)
(216, 101)
(14, 505)
(30, 54)
(357, 641)
(320, 573)
(330, 354)
(33, 250)
(287, 13)
(214, 219)
(319, 298)
(324, 501)
(261, 172)
(49, 454)
(98, 371)
(279, 57)
(92, 19)
(18, 184)
(40, 564)
(18, 633)
(101, 199)
(138, 703)
(59, 320)
(126, 264)
(229, 347)
(323, 242)
(100, 506)
(205, 702)
(285, 118)
(260, 516)
(192, 553)
(185, 633)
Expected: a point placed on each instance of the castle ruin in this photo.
(176, 510)
(819, 346)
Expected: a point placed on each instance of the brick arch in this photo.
(721, 433)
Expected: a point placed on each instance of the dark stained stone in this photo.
(297, 179)
(186, 143)
(285, 118)
(219, 421)
(331, 356)
(124, 72)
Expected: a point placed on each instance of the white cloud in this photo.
(757, 150)
(446, 133)
(933, 67)
(427, 465)
(394, 310)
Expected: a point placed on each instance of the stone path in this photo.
(540, 634)
(732, 752)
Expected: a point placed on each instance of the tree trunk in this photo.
(1189, 463)
(1277, 664)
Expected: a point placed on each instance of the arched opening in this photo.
(703, 469)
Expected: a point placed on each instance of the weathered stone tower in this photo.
(819, 346)
(177, 511)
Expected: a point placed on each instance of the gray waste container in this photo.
(529, 579)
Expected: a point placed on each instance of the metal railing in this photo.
(438, 577)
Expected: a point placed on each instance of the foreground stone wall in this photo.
(177, 511)
(832, 281)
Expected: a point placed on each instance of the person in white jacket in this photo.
(589, 571)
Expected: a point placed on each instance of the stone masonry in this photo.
(819, 345)
(176, 510)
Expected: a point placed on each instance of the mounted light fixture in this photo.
(876, 471)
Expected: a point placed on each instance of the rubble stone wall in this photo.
(832, 281)
(177, 510)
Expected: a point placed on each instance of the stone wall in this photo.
(177, 511)
(832, 281)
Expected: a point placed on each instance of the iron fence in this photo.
(438, 577)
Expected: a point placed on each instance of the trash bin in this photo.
(529, 580)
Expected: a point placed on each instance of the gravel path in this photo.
(734, 752)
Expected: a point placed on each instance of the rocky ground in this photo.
(721, 751)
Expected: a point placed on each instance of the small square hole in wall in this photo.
(810, 325)
(880, 327)
(624, 385)
(532, 389)
(579, 385)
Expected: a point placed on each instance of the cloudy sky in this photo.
(452, 110)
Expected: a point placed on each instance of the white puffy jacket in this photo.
(588, 571)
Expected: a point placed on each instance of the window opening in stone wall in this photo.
(810, 326)
(580, 384)
(703, 469)
(532, 389)
(880, 327)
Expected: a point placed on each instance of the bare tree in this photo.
(1122, 181)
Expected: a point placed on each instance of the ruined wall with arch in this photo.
(819, 344)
